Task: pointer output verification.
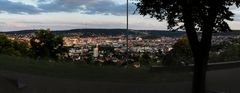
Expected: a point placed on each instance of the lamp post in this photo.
(127, 31)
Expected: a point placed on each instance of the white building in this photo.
(95, 51)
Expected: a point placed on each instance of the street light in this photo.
(127, 30)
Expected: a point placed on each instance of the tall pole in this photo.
(127, 30)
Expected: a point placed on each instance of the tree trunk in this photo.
(199, 75)
(200, 48)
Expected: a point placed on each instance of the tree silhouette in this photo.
(195, 15)
(46, 45)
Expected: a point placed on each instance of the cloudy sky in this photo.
(72, 14)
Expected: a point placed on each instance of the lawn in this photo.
(88, 72)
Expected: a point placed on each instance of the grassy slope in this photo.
(87, 72)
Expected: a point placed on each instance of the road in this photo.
(227, 80)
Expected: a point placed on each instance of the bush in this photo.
(181, 53)
(45, 44)
(13, 47)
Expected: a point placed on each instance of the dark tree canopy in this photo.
(46, 45)
(195, 15)
(172, 11)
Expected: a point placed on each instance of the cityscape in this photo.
(111, 49)
(119, 46)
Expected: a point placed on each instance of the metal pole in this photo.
(127, 34)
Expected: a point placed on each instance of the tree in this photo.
(182, 51)
(22, 47)
(45, 44)
(5, 44)
(196, 15)
(231, 53)
(13, 47)
(145, 59)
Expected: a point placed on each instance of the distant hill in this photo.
(161, 33)
(115, 32)
(82, 31)
(21, 32)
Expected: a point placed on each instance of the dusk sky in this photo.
(73, 14)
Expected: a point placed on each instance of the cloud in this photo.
(17, 7)
(106, 7)
(59, 6)
(2, 24)
(86, 6)
(236, 10)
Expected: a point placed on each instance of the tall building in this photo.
(95, 51)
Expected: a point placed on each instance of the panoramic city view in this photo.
(119, 46)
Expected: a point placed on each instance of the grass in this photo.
(88, 72)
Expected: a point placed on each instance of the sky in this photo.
(77, 14)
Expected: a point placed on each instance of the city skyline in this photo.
(77, 14)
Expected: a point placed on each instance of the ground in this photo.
(220, 81)
(41, 77)
(46, 84)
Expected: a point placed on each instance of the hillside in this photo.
(115, 32)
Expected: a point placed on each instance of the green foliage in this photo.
(13, 47)
(222, 52)
(231, 53)
(145, 59)
(168, 59)
(226, 51)
(46, 45)
(181, 53)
